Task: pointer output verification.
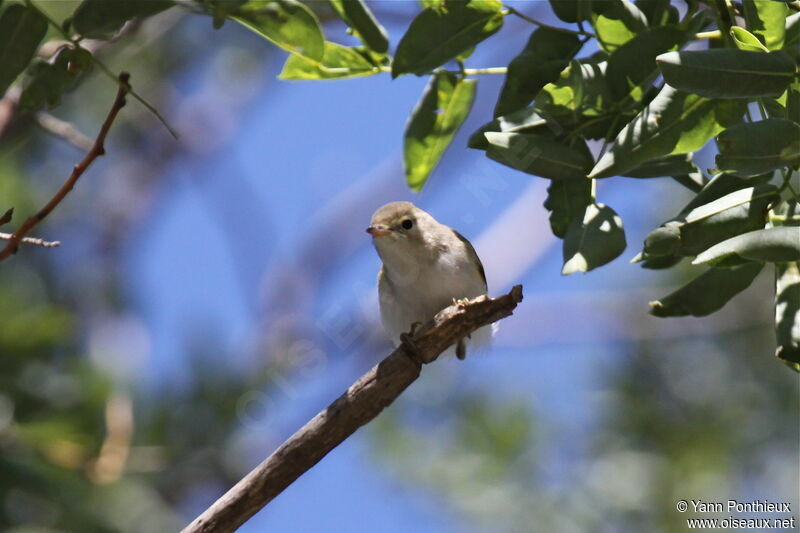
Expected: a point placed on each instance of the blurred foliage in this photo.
(693, 418)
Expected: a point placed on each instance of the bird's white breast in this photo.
(427, 289)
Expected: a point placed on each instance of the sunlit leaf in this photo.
(593, 240)
(100, 19)
(791, 43)
(774, 245)
(581, 92)
(545, 55)
(767, 20)
(634, 63)
(434, 122)
(338, 62)
(540, 155)
(671, 165)
(286, 23)
(364, 24)
(745, 40)
(522, 120)
(675, 122)
(21, 30)
(656, 12)
(616, 22)
(728, 72)
(755, 147)
(436, 36)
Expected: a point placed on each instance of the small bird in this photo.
(426, 267)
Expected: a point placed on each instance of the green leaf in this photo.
(287, 24)
(732, 214)
(571, 10)
(721, 185)
(793, 102)
(546, 54)
(787, 313)
(775, 245)
(675, 122)
(694, 182)
(46, 82)
(433, 4)
(522, 120)
(540, 155)
(671, 165)
(337, 63)
(434, 122)
(634, 63)
(655, 11)
(755, 147)
(791, 44)
(707, 293)
(567, 201)
(21, 30)
(659, 263)
(364, 24)
(787, 293)
(99, 19)
(744, 40)
(616, 22)
(593, 240)
(728, 72)
(437, 36)
(699, 226)
(580, 93)
(767, 20)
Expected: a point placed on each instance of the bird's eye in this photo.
(407, 224)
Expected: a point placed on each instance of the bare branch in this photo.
(63, 129)
(31, 240)
(96, 151)
(362, 402)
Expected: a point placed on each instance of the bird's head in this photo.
(401, 232)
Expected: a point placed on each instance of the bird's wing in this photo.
(473, 254)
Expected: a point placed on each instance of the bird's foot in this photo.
(410, 347)
(460, 301)
(461, 349)
(408, 344)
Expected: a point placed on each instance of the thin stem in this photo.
(724, 19)
(105, 69)
(713, 34)
(31, 240)
(97, 150)
(787, 177)
(465, 72)
(607, 139)
(543, 25)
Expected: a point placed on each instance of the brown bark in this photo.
(362, 402)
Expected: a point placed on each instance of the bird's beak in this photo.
(378, 231)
